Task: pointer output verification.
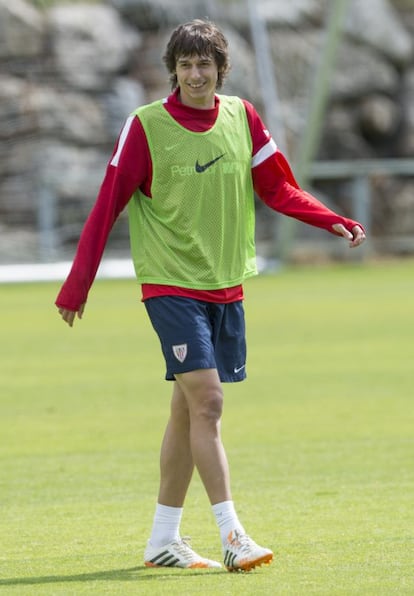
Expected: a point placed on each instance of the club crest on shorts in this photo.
(180, 352)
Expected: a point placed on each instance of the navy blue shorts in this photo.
(197, 335)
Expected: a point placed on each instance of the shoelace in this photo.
(243, 541)
(185, 550)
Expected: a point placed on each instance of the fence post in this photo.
(362, 204)
(47, 223)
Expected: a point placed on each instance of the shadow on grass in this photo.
(130, 574)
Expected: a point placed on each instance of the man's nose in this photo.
(195, 72)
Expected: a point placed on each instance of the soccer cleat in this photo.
(241, 553)
(176, 554)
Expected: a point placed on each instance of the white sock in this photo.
(226, 518)
(166, 525)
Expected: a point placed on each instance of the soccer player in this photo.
(187, 167)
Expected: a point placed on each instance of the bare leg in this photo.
(176, 462)
(192, 437)
(204, 397)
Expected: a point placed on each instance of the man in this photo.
(188, 166)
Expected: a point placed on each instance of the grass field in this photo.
(320, 440)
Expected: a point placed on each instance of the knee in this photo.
(209, 404)
(204, 396)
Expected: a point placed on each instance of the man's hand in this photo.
(69, 315)
(355, 238)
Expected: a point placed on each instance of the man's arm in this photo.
(127, 170)
(275, 183)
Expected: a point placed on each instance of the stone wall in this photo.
(70, 75)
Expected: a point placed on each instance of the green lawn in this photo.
(320, 440)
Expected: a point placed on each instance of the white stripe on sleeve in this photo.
(266, 151)
(122, 139)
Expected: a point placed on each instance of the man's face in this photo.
(197, 79)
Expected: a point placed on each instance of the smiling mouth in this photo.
(196, 86)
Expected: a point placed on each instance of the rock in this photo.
(90, 44)
(155, 14)
(296, 59)
(341, 137)
(379, 117)
(69, 171)
(277, 15)
(17, 206)
(362, 71)
(151, 15)
(242, 78)
(296, 13)
(376, 24)
(27, 108)
(15, 119)
(22, 29)
(69, 116)
(148, 64)
(125, 96)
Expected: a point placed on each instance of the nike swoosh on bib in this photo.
(202, 168)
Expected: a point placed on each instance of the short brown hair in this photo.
(201, 38)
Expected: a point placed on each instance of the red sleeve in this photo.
(260, 136)
(128, 170)
(275, 184)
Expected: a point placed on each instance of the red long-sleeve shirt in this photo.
(130, 168)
